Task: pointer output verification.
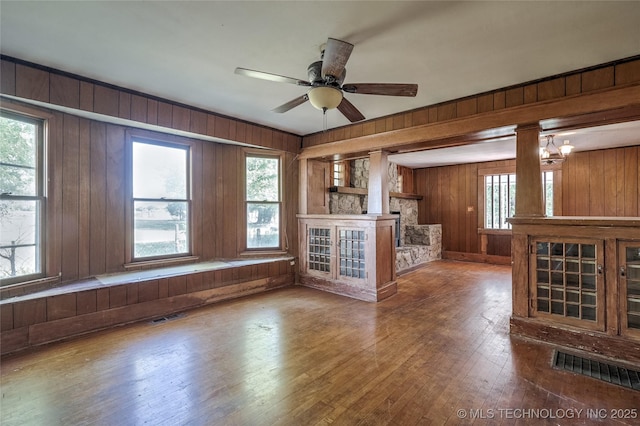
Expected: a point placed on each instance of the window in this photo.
(161, 199)
(500, 198)
(338, 173)
(263, 201)
(22, 202)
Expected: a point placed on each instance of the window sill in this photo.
(146, 264)
(263, 253)
(28, 287)
(489, 231)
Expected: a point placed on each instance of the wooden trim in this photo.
(146, 264)
(487, 231)
(426, 136)
(364, 191)
(476, 257)
(71, 93)
(630, 222)
(20, 289)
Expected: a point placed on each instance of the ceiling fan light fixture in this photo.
(325, 97)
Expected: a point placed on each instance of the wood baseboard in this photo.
(477, 257)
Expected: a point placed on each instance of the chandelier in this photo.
(551, 154)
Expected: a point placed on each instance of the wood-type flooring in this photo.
(438, 352)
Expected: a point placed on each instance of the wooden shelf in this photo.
(364, 191)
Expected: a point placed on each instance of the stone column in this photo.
(378, 200)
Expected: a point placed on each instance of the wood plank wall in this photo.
(594, 183)
(33, 82)
(87, 196)
(602, 183)
(584, 81)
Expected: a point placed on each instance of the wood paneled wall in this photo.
(33, 82)
(447, 193)
(87, 196)
(605, 76)
(594, 183)
(602, 183)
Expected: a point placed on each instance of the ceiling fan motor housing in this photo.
(314, 72)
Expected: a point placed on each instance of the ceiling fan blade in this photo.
(291, 104)
(272, 77)
(350, 111)
(336, 55)
(388, 89)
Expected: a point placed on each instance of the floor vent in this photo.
(167, 318)
(598, 370)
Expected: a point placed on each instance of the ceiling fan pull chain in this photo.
(324, 119)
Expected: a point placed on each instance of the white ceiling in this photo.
(587, 139)
(187, 51)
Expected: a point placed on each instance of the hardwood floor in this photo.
(438, 352)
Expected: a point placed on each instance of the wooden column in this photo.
(303, 182)
(528, 204)
(378, 200)
(528, 174)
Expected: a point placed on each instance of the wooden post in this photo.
(378, 200)
(528, 173)
(303, 182)
(528, 204)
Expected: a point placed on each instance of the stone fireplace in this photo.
(417, 243)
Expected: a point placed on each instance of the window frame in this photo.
(41, 126)
(168, 141)
(340, 173)
(281, 248)
(556, 169)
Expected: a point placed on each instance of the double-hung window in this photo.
(500, 198)
(22, 198)
(161, 199)
(263, 201)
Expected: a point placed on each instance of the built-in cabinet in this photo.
(352, 255)
(567, 281)
(629, 278)
(581, 284)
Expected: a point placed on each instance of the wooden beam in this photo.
(612, 100)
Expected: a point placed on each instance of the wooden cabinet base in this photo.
(590, 341)
(351, 290)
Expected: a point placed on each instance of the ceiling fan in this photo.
(325, 79)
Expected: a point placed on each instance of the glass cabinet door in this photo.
(629, 275)
(567, 283)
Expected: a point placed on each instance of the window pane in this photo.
(488, 202)
(263, 183)
(159, 171)
(547, 180)
(18, 156)
(19, 238)
(504, 201)
(160, 228)
(263, 225)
